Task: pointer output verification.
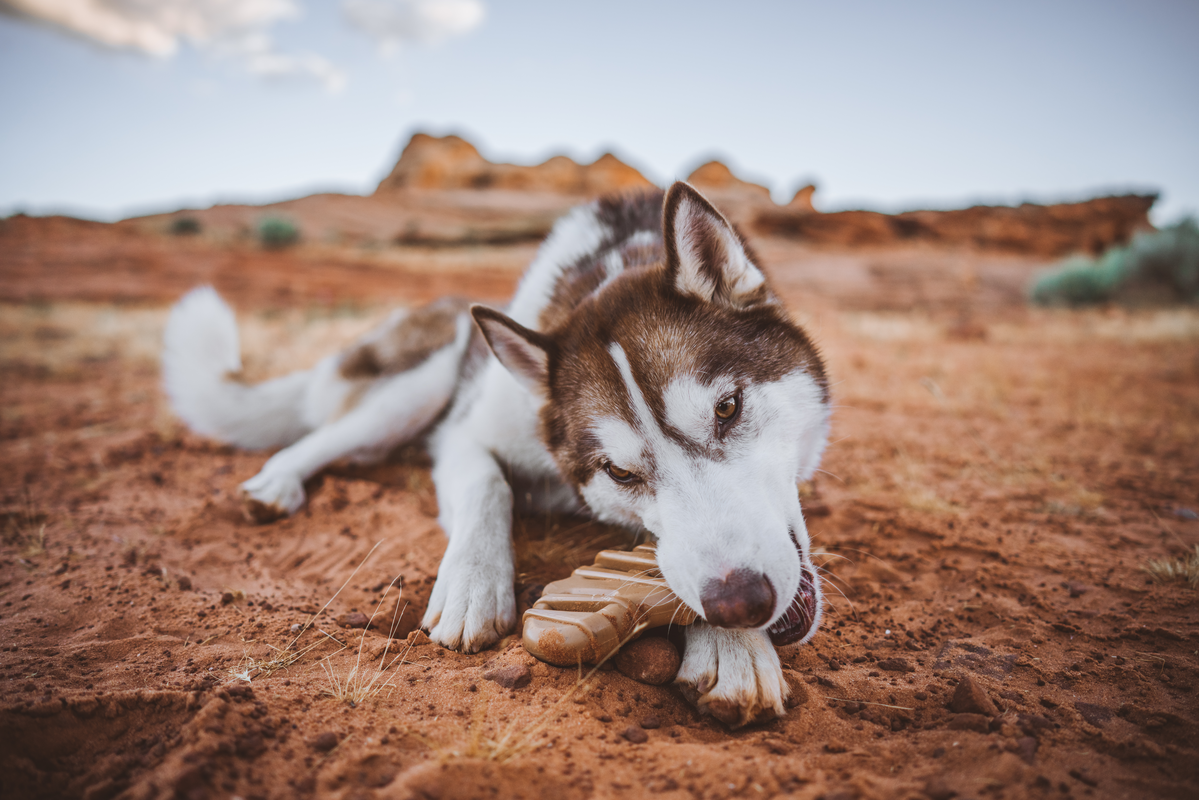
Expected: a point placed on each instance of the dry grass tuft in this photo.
(516, 740)
(25, 529)
(1184, 568)
(287, 657)
(363, 682)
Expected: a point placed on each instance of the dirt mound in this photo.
(1029, 229)
(451, 162)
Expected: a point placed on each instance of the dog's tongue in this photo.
(795, 624)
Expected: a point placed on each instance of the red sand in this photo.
(996, 481)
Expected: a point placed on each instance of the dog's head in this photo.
(682, 398)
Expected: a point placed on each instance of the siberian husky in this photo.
(644, 371)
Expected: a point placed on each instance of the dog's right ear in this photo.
(525, 353)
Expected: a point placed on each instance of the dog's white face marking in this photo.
(718, 500)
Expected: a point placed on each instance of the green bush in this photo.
(185, 226)
(276, 232)
(1157, 267)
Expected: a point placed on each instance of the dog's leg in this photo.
(473, 602)
(734, 675)
(392, 413)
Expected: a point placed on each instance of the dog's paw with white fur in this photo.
(473, 603)
(734, 675)
(271, 495)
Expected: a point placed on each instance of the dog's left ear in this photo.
(523, 352)
(704, 254)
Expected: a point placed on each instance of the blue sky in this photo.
(883, 105)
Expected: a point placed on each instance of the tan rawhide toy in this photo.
(586, 617)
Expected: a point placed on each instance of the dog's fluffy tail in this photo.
(201, 354)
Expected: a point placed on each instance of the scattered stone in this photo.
(354, 619)
(1077, 589)
(184, 583)
(938, 789)
(604, 718)
(970, 722)
(514, 676)
(970, 698)
(325, 742)
(799, 690)
(635, 735)
(296, 627)
(1094, 714)
(1045, 701)
(896, 665)
(653, 660)
(226, 598)
(1032, 723)
(1026, 748)
(417, 638)
(651, 723)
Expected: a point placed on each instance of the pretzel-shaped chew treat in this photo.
(586, 617)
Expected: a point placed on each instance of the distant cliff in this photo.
(451, 162)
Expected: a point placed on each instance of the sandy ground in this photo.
(996, 482)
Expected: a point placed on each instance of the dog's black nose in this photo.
(744, 599)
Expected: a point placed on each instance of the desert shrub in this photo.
(185, 226)
(1162, 266)
(276, 232)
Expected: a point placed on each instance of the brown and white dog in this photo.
(644, 373)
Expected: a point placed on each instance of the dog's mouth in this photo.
(796, 623)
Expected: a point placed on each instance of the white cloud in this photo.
(153, 26)
(240, 29)
(395, 22)
(237, 28)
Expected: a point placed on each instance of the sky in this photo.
(112, 108)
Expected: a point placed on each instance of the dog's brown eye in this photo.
(726, 409)
(617, 474)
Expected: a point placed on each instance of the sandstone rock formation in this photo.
(803, 199)
(451, 162)
(1051, 231)
(715, 178)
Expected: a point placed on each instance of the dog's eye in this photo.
(727, 408)
(619, 475)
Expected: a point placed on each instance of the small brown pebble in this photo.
(921, 695)
(226, 598)
(938, 789)
(418, 637)
(604, 718)
(799, 691)
(1026, 748)
(325, 742)
(970, 722)
(354, 619)
(515, 676)
(184, 583)
(653, 660)
(651, 723)
(970, 698)
(635, 735)
(896, 665)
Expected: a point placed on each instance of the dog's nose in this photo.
(744, 599)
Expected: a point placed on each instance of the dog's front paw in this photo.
(734, 675)
(473, 602)
(271, 495)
